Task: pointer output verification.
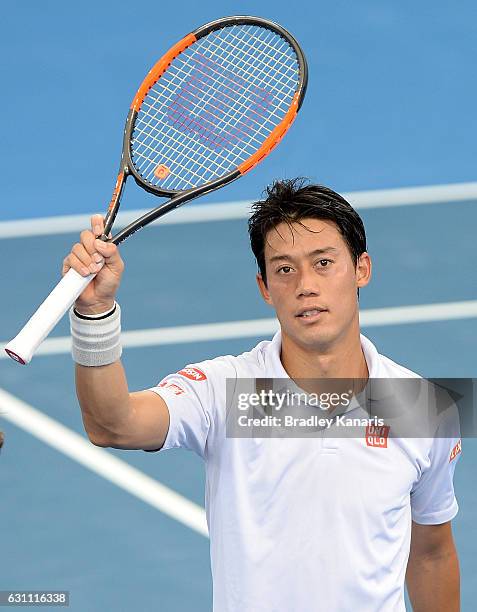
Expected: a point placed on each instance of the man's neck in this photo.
(343, 359)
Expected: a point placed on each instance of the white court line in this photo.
(47, 226)
(181, 334)
(379, 198)
(102, 462)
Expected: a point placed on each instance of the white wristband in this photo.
(96, 341)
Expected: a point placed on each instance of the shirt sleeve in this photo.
(192, 397)
(433, 499)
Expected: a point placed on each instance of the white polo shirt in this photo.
(318, 524)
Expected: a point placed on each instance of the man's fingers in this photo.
(89, 261)
(66, 266)
(90, 254)
(93, 263)
(111, 255)
(97, 225)
(107, 249)
(87, 239)
(72, 261)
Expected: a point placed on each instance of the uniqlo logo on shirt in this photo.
(377, 436)
(456, 450)
(172, 387)
(193, 374)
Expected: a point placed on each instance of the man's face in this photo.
(312, 281)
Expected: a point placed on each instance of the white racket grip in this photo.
(24, 345)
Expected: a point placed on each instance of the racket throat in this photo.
(178, 200)
(114, 203)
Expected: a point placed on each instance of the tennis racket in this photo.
(210, 109)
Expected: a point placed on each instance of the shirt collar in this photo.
(370, 354)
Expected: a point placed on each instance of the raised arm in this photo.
(111, 415)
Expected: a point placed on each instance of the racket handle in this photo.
(24, 345)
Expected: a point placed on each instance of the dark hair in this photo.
(293, 200)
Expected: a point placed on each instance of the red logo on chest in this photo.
(193, 374)
(377, 436)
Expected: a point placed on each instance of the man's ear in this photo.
(363, 270)
(263, 290)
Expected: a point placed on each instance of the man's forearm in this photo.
(104, 399)
(433, 582)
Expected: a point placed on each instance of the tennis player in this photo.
(308, 524)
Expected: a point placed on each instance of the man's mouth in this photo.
(310, 313)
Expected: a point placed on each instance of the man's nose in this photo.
(307, 283)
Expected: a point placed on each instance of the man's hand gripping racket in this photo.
(210, 109)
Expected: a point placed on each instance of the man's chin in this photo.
(312, 336)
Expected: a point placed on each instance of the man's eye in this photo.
(284, 269)
(324, 262)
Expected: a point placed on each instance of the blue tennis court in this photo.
(389, 108)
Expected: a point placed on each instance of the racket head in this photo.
(213, 106)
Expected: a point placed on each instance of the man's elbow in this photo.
(101, 436)
(101, 440)
(111, 440)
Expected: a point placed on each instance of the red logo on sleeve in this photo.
(377, 436)
(456, 450)
(193, 374)
(172, 387)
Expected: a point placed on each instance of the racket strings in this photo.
(257, 54)
(207, 111)
(150, 132)
(194, 159)
(228, 91)
(228, 87)
(195, 91)
(247, 73)
(217, 58)
(250, 57)
(222, 166)
(214, 107)
(212, 139)
(213, 111)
